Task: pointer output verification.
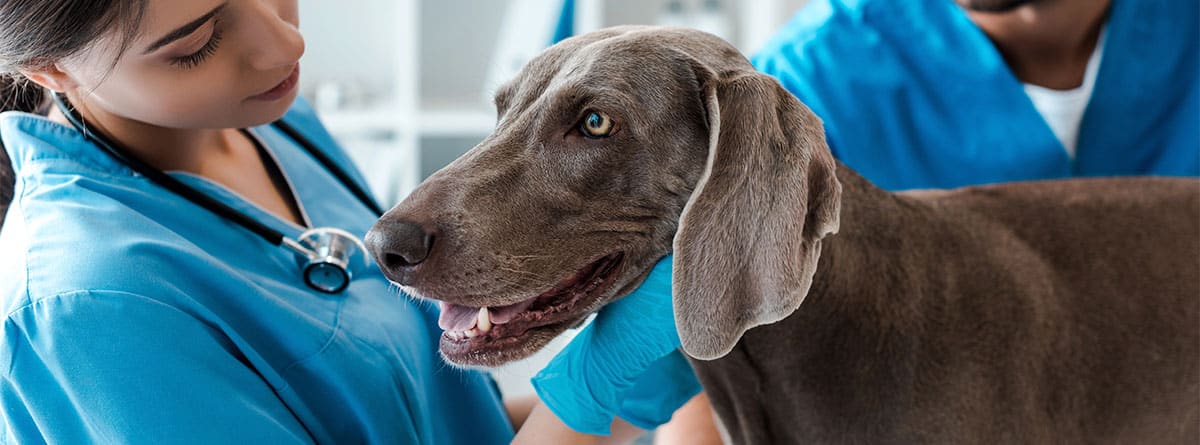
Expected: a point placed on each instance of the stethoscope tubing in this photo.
(273, 236)
(199, 198)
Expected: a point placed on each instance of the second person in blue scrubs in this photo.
(941, 93)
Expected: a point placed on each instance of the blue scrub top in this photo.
(914, 95)
(135, 316)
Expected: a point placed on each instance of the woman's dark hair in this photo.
(34, 33)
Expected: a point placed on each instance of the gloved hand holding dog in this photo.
(625, 363)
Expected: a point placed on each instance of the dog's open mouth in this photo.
(491, 335)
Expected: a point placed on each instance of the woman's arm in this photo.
(519, 408)
(693, 424)
(541, 426)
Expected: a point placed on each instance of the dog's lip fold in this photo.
(549, 308)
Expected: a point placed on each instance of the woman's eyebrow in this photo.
(185, 30)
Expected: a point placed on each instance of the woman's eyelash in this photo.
(193, 59)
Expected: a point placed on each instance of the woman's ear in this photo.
(51, 77)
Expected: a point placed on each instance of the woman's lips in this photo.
(283, 89)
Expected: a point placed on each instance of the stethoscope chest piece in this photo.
(327, 257)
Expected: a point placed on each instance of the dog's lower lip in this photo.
(493, 351)
(548, 315)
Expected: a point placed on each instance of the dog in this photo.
(1039, 312)
(7, 182)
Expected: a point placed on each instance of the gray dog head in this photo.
(611, 150)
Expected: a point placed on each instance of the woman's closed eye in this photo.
(195, 58)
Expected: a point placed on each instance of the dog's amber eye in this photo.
(596, 125)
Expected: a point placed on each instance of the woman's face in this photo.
(197, 64)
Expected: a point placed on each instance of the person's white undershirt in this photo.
(1063, 109)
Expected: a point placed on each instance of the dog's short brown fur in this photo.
(7, 179)
(1041, 312)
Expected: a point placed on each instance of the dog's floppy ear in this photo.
(749, 237)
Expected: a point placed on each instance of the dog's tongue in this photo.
(456, 317)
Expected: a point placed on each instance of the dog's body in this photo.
(1046, 312)
(1021, 313)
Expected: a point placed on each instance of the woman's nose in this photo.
(276, 36)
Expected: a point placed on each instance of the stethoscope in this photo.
(325, 254)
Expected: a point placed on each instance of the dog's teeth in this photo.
(484, 321)
(472, 333)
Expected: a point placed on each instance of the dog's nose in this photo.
(398, 246)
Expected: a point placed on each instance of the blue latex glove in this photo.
(626, 362)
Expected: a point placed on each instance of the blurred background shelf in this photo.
(434, 122)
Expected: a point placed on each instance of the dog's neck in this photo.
(881, 252)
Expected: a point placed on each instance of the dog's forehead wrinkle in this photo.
(562, 63)
(531, 82)
(609, 60)
(606, 71)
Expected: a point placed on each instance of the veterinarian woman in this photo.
(947, 93)
(181, 307)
